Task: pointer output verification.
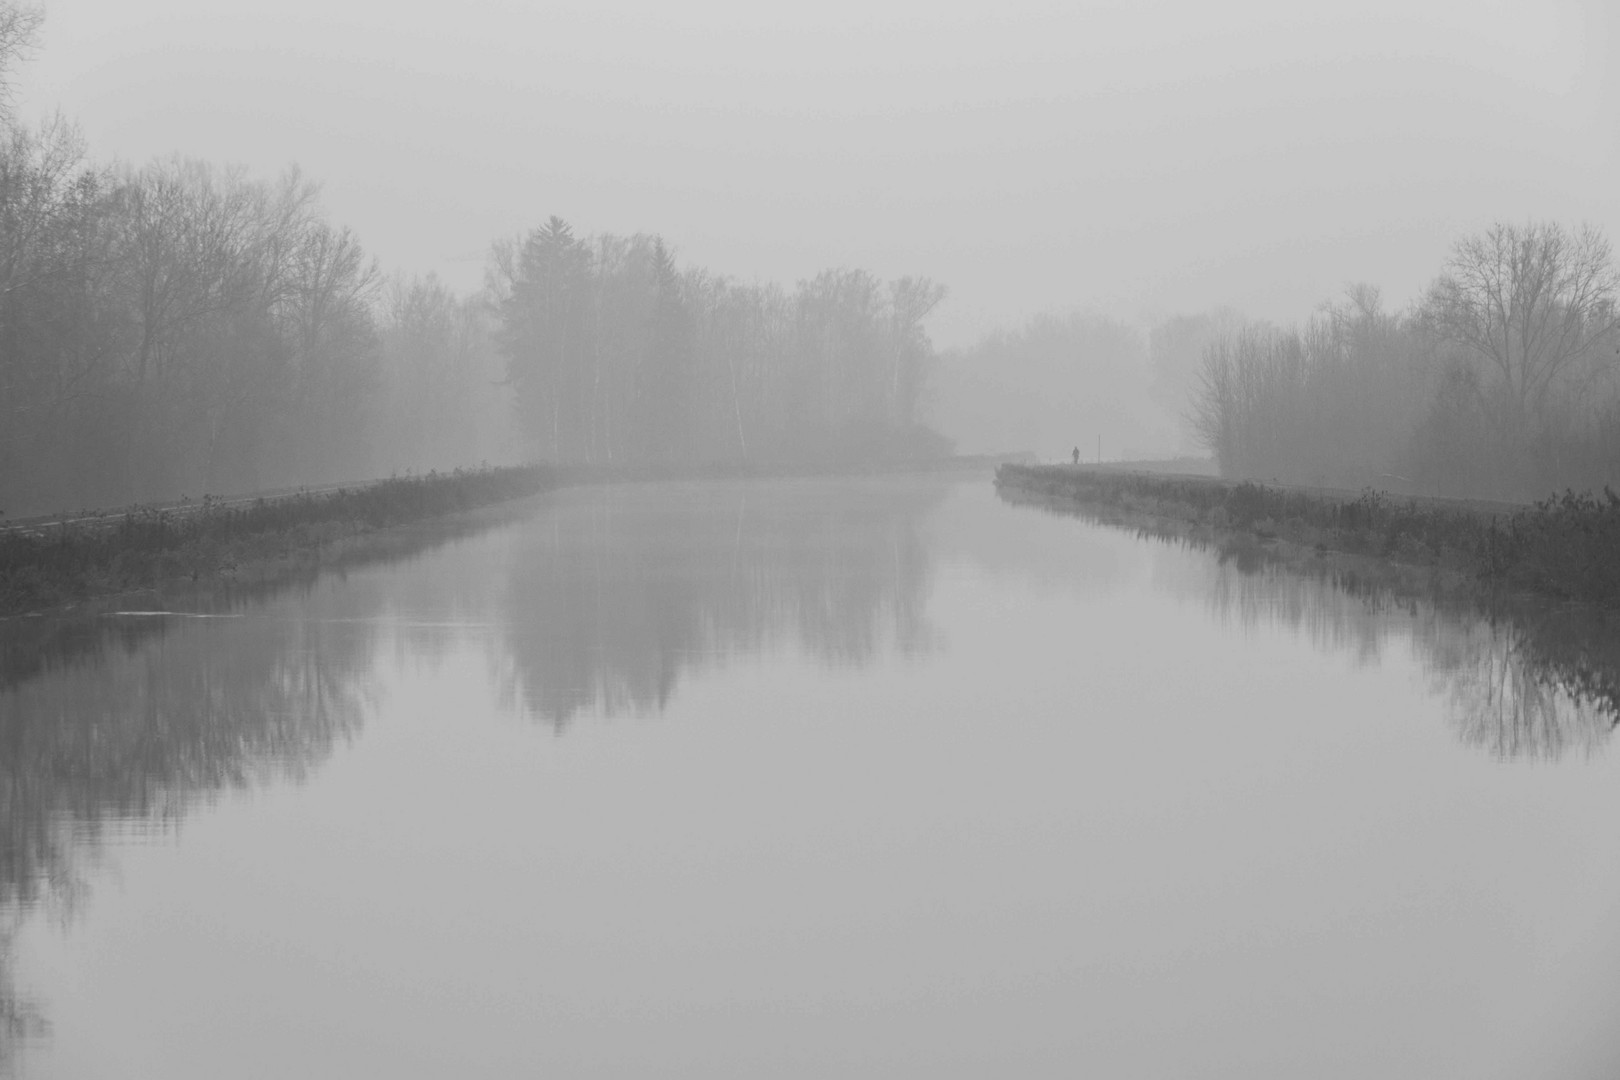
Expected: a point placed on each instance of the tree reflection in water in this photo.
(21, 1018)
(156, 723)
(127, 721)
(1535, 684)
(1517, 680)
(1521, 678)
(616, 591)
(134, 718)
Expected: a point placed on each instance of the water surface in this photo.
(816, 778)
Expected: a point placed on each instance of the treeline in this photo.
(181, 329)
(618, 356)
(1502, 381)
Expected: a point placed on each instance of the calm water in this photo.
(823, 778)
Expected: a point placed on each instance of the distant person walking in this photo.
(1077, 455)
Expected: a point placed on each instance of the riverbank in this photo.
(140, 549)
(1565, 547)
(49, 563)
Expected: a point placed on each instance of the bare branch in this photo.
(19, 30)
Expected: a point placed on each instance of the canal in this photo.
(811, 778)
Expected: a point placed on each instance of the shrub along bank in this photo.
(1565, 546)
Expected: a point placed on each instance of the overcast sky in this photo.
(1127, 157)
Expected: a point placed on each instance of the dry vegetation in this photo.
(1563, 547)
(212, 540)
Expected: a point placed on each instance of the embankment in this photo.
(1566, 547)
(46, 565)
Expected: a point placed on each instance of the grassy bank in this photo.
(1566, 547)
(49, 565)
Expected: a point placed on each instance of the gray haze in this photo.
(1134, 159)
(769, 738)
(812, 778)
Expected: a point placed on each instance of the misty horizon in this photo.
(857, 539)
(1040, 160)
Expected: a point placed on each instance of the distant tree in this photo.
(665, 394)
(1535, 304)
(911, 299)
(328, 321)
(19, 29)
(438, 398)
(1175, 356)
(543, 306)
(179, 328)
(840, 385)
(616, 353)
(57, 344)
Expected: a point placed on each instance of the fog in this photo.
(755, 727)
(842, 232)
(1140, 159)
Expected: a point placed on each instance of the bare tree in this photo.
(19, 29)
(911, 299)
(1534, 303)
(1176, 355)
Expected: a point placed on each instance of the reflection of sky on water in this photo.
(901, 673)
(1519, 679)
(617, 592)
(598, 603)
(1510, 684)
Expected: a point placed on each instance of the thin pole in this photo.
(1099, 449)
